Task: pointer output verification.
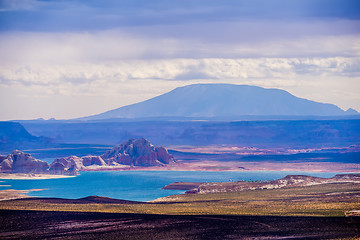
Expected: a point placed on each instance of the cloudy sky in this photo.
(67, 59)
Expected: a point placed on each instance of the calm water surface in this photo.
(135, 185)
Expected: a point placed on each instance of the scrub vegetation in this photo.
(318, 200)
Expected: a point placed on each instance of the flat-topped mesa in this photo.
(20, 162)
(138, 152)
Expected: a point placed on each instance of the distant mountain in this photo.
(14, 136)
(275, 133)
(223, 101)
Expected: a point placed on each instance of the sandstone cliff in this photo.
(66, 166)
(131, 153)
(137, 153)
(71, 165)
(20, 162)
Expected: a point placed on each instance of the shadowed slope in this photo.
(75, 225)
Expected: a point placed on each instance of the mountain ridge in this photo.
(13, 135)
(223, 100)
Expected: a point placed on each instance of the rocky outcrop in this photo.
(347, 177)
(71, 165)
(20, 162)
(6, 164)
(288, 181)
(93, 160)
(132, 153)
(66, 166)
(137, 153)
(163, 155)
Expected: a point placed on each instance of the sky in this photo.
(66, 59)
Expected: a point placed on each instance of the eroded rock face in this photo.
(57, 168)
(349, 177)
(132, 152)
(71, 165)
(6, 165)
(138, 153)
(20, 162)
(66, 166)
(163, 155)
(92, 160)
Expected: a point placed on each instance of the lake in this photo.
(136, 185)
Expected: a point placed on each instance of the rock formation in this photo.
(66, 166)
(20, 162)
(288, 181)
(132, 152)
(71, 165)
(137, 153)
(92, 160)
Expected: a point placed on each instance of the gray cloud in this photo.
(117, 72)
(88, 15)
(103, 46)
(114, 52)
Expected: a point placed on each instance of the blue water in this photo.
(135, 185)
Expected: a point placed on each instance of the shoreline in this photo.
(206, 166)
(235, 166)
(11, 194)
(30, 176)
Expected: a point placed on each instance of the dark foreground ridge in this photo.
(85, 200)
(16, 224)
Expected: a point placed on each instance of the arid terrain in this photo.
(95, 225)
(305, 211)
(180, 119)
(294, 207)
(289, 181)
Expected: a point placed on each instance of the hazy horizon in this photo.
(68, 59)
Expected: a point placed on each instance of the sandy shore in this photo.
(31, 176)
(208, 165)
(218, 166)
(10, 194)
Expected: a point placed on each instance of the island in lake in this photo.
(128, 155)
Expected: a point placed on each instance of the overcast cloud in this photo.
(69, 59)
